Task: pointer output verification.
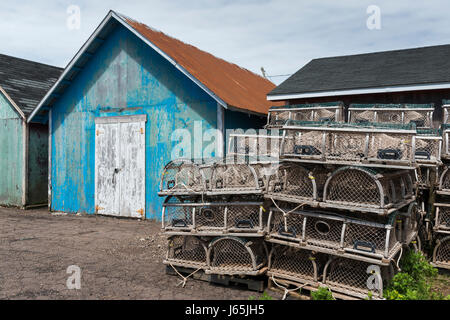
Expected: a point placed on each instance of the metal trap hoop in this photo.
(441, 253)
(237, 256)
(186, 251)
(181, 177)
(444, 182)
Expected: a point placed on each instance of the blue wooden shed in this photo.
(23, 146)
(113, 110)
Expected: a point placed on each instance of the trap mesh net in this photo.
(352, 277)
(178, 214)
(346, 146)
(236, 255)
(390, 116)
(307, 144)
(444, 184)
(210, 217)
(362, 116)
(181, 177)
(418, 117)
(410, 223)
(427, 150)
(391, 147)
(326, 115)
(293, 263)
(442, 220)
(188, 251)
(292, 181)
(244, 218)
(323, 232)
(254, 146)
(356, 187)
(441, 255)
(287, 227)
(277, 118)
(234, 177)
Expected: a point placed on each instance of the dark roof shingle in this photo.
(26, 82)
(426, 65)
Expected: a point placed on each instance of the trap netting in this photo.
(181, 177)
(428, 146)
(445, 109)
(445, 141)
(441, 252)
(239, 178)
(356, 278)
(187, 251)
(350, 143)
(295, 264)
(292, 182)
(421, 115)
(358, 186)
(444, 181)
(178, 213)
(442, 217)
(410, 221)
(321, 112)
(262, 146)
(426, 178)
(233, 255)
(336, 234)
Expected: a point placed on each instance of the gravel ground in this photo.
(118, 258)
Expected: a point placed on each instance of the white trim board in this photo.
(418, 87)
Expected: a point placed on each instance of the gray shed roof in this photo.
(26, 82)
(418, 67)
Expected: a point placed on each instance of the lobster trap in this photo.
(374, 242)
(428, 146)
(237, 256)
(410, 221)
(213, 217)
(421, 115)
(442, 218)
(386, 145)
(321, 112)
(187, 251)
(263, 146)
(368, 190)
(445, 109)
(233, 178)
(356, 278)
(444, 182)
(181, 177)
(301, 266)
(441, 252)
(295, 183)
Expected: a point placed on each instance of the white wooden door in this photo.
(120, 166)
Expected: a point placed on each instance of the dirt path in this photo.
(119, 259)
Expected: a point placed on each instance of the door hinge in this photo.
(97, 208)
(98, 132)
(142, 130)
(141, 212)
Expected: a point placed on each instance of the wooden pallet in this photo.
(252, 283)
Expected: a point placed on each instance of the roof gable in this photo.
(229, 84)
(389, 69)
(25, 82)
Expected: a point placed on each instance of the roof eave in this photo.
(387, 89)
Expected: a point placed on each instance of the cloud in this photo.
(279, 35)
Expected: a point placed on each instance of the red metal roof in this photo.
(236, 86)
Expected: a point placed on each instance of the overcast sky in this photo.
(279, 35)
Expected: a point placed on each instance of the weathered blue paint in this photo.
(124, 77)
(11, 154)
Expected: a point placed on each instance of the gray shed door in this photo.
(120, 166)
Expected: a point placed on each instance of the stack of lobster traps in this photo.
(440, 222)
(213, 215)
(344, 196)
